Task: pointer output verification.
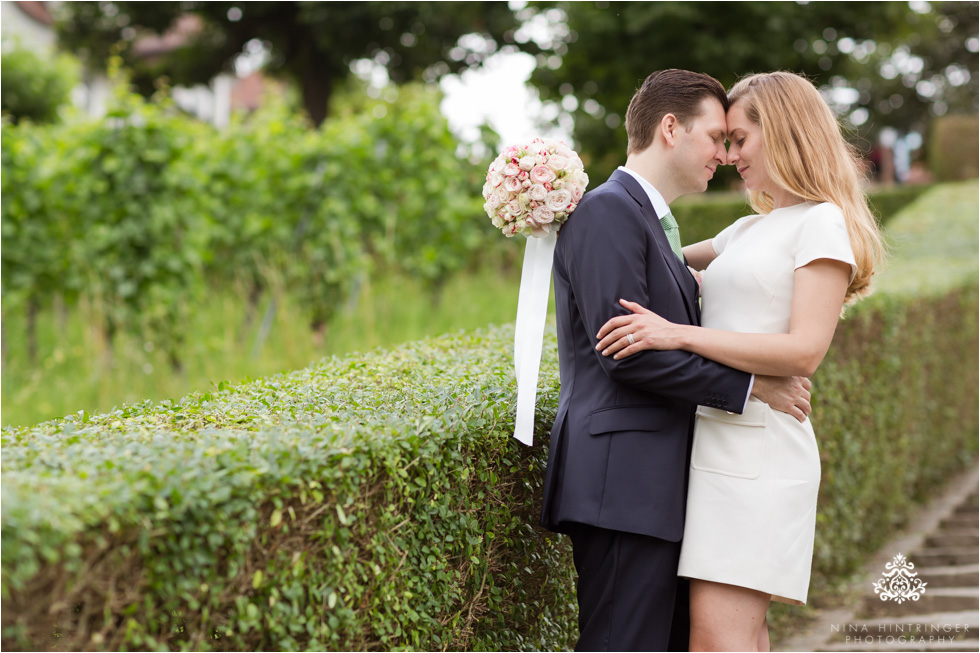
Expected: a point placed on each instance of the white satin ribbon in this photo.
(532, 309)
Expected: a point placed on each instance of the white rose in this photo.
(558, 162)
(492, 203)
(527, 162)
(497, 222)
(537, 192)
(514, 208)
(542, 215)
(558, 200)
(496, 179)
(501, 193)
(511, 169)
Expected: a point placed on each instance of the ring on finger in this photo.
(629, 336)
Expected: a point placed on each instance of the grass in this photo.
(73, 371)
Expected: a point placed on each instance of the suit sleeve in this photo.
(606, 256)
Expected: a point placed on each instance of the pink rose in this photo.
(514, 207)
(512, 184)
(511, 169)
(576, 192)
(542, 174)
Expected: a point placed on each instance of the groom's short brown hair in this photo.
(679, 92)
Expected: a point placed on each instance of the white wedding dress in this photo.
(752, 496)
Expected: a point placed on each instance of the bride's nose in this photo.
(732, 157)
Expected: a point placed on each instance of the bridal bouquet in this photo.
(532, 188)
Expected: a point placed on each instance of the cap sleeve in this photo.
(824, 235)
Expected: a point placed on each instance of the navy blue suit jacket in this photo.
(620, 445)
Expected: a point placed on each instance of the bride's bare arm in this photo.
(699, 255)
(818, 294)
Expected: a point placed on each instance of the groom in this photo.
(616, 481)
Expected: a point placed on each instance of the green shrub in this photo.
(378, 501)
(145, 209)
(953, 147)
(35, 88)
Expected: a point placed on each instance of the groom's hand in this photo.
(788, 394)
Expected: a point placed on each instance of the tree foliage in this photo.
(931, 71)
(610, 48)
(311, 43)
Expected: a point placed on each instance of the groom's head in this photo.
(676, 127)
(678, 92)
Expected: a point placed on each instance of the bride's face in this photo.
(747, 150)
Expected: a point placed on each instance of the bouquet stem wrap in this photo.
(532, 309)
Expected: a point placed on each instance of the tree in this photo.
(311, 43)
(610, 48)
(931, 72)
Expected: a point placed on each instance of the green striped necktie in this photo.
(673, 233)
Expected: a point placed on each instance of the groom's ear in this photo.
(668, 128)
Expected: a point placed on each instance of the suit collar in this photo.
(635, 190)
(656, 198)
(678, 269)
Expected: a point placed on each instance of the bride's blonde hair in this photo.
(806, 154)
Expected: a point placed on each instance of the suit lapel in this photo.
(687, 283)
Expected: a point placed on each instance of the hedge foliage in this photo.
(378, 502)
(373, 502)
(953, 147)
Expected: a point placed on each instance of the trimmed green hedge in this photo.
(378, 502)
(373, 502)
(952, 149)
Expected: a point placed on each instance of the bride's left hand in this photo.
(649, 330)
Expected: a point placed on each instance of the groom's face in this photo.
(701, 147)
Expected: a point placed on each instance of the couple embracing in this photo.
(683, 465)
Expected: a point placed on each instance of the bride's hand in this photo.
(649, 331)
